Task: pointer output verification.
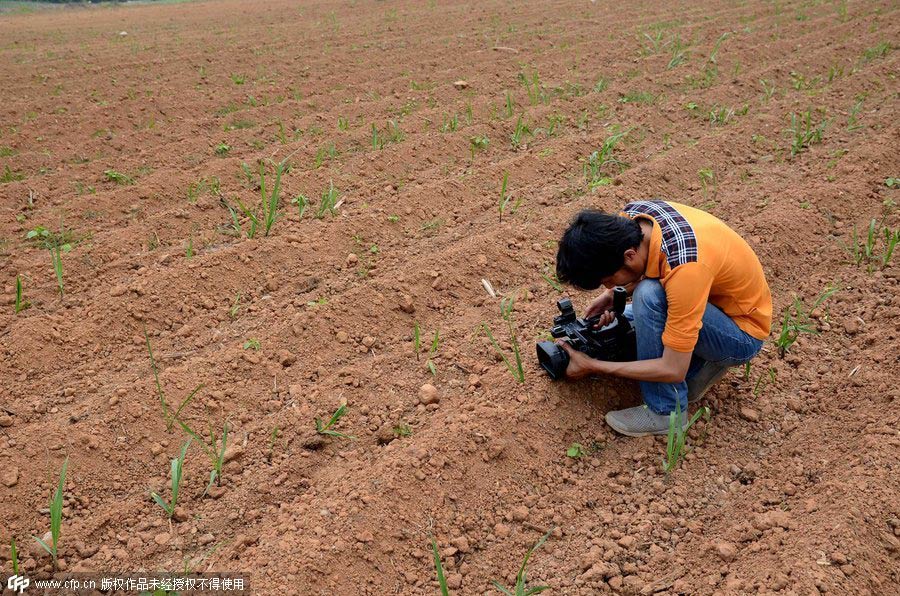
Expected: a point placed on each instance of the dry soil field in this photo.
(129, 134)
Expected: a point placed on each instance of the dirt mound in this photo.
(132, 135)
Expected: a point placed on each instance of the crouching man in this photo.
(700, 302)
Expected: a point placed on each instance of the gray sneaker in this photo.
(641, 421)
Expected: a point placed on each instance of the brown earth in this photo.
(794, 484)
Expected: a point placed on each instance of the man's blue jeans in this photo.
(721, 344)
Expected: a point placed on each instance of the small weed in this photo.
(21, 303)
(707, 181)
(554, 122)
(675, 444)
(520, 133)
(213, 450)
(642, 97)
(118, 177)
(301, 202)
(597, 161)
(325, 429)
(853, 119)
(576, 451)
(505, 197)
(451, 123)
(238, 79)
(506, 309)
(252, 344)
(57, 243)
(796, 320)
(601, 85)
(169, 416)
(343, 124)
(478, 143)
(679, 54)
(11, 176)
(879, 51)
(56, 511)
(442, 580)
(521, 589)
(328, 201)
(235, 306)
(768, 89)
(269, 202)
(533, 88)
(863, 249)
(210, 185)
(222, 149)
(177, 472)
(803, 133)
(510, 105)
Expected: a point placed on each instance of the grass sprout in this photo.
(796, 321)
(675, 443)
(478, 143)
(21, 303)
(442, 580)
(269, 202)
(328, 201)
(803, 132)
(325, 429)
(517, 371)
(177, 468)
(169, 416)
(598, 161)
(56, 508)
(521, 588)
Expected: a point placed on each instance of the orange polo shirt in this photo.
(699, 259)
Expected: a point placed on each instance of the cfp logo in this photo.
(17, 583)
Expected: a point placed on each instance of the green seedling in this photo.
(521, 589)
(675, 444)
(204, 185)
(402, 430)
(222, 149)
(598, 160)
(707, 181)
(450, 123)
(177, 469)
(21, 303)
(343, 124)
(797, 320)
(763, 380)
(643, 97)
(189, 251)
(478, 143)
(520, 133)
(510, 105)
(432, 351)
(118, 177)
(215, 450)
(768, 89)
(853, 118)
(575, 451)
(803, 133)
(252, 344)
(269, 202)
(517, 371)
(235, 306)
(863, 249)
(14, 556)
(442, 580)
(679, 54)
(169, 416)
(325, 429)
(56, 509)
(57, 243)
(505, 197)
(552, 281)
(328, 201)
(273, 438)
(555, 120)
(301, 202)
(238, 79)
(10, 176)
(533, 88)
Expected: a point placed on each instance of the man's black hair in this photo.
(593, 247)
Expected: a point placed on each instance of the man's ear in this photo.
(630, 255)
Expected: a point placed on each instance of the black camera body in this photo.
(615, 342)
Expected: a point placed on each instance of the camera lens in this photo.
(553, 359)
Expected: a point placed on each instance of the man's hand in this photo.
(580, 365)
(601, 307)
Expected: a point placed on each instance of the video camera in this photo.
(615, 342)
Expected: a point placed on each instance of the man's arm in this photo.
(671, 368)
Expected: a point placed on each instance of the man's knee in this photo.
(649, 295)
